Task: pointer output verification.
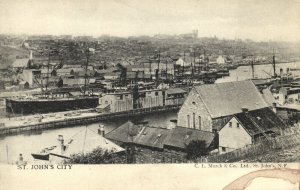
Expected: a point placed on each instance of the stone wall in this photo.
(194, 109)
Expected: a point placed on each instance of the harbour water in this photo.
(260, 71)
(12, 146)
(25, 144)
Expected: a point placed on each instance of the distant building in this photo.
(221, 60)
(31, 75)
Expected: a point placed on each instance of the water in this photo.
(260, 71)
(12, 146)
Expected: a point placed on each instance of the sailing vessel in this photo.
(52, 101)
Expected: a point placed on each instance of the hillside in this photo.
(9, 54)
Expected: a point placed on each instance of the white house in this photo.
(221, 60)
(248, 127)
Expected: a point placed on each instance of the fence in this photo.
(289, 138)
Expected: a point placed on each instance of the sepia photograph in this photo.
(160, 89)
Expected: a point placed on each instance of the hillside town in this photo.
(55, 82)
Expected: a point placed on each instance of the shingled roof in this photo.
(141, 135)
(260, 121)
(229, 98)
(180, 137)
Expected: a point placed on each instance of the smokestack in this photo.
(281, 71)
(101, 130)
(274, 107)
(30, 55)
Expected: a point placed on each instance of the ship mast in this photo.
(252, 67)
(157, 72)
(48, 65)
(86, 66)
(274, 64)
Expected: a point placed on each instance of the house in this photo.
(175, 96)
(221, 60)
(64, 72)
(116, 102)
(112, 76)
(248, 127)
(159, 144)
(287, 95)
(208, 107)
(31, 75)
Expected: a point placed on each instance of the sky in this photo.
(259, 20)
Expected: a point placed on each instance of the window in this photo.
(188, 121)
(194, 121)
(238, 125)
(199, 120)
(194, 103)
(223, 149)
(230, 124)
(156, 93)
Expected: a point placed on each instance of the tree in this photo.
(98, 156)
(196, 149)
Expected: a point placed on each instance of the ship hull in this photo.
(40, 156)
(48, 106)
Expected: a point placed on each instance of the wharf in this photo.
(83, 119)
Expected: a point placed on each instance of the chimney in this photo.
(173, 124)
(245, 110)
(281, 71)
(101, 130)
(274, 107)
(61, 143)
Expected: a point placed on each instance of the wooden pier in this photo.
(67, 122)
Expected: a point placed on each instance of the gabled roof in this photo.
(121, 133)
(268, 97)
(139, 134)
(152, 137)
(156, 137)
(229, 98)
(180, 137)
(260, 121)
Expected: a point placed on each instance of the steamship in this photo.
(52, 100)
(40, 104)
